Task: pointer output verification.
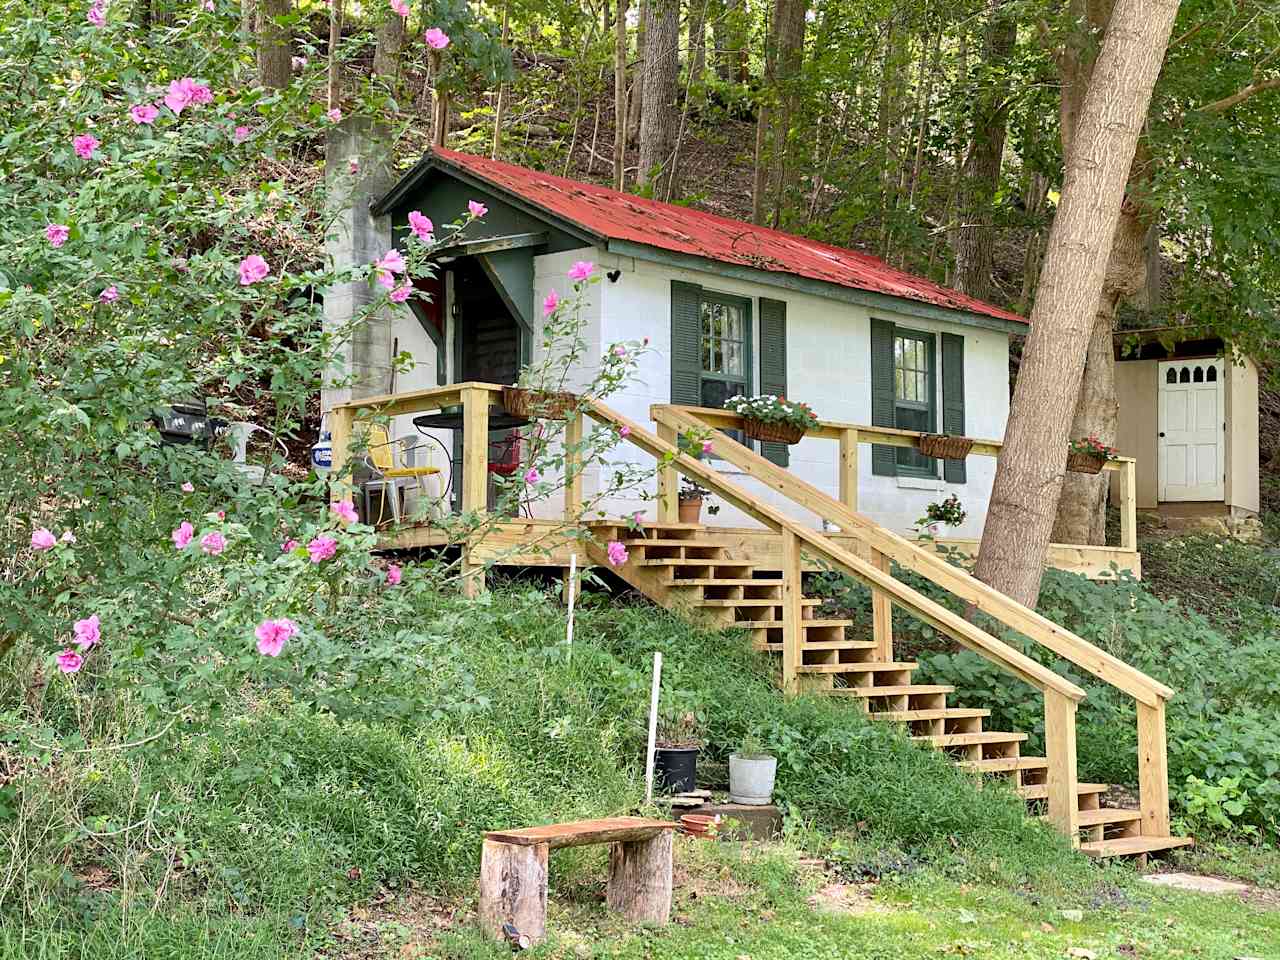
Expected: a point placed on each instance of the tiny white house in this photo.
(727, 308)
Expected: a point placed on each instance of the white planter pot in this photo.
(751, 779)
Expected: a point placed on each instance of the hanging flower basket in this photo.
(1085, 463)
(771, 432)
(539, 404)
(944, 447)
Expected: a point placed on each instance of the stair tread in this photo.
(898, 691)
(872, 667)
(695, 562)
(1130, 846)
(752, 602)
(1001, 764)
(1040, 791)
(646, 525)
(805, 624)
(939, 713)
(970, 739)
(824, 645)
(664, 542)
(1105, 815)
(728, 582)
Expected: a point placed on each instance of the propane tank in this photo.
(322, 454)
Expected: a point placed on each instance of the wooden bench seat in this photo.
(513, 872)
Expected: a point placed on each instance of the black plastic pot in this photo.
(676, 769)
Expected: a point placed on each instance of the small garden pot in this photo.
(538, 404)
(700, 825)
(771, 432)
(690, 510)
(1085, 463)
(751, 779)
(676, 769)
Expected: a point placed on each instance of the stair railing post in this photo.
(1129, 505)
(668, 480)
(475, 477)
(1153, 770)
(341, 425)
(881, 611)
(1060, 751)
(573, 467)
(849, 468)
(792, 625)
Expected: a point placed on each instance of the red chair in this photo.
(506, 458)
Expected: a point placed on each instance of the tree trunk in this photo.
(500, 108)
(334, 91)
(697, 55)
(1028, 483)
(275, 60)
(390, 41)
(974, 237)
(635, 106)
(729, 31)
(789, 21)
(620, 97)
(659, 115)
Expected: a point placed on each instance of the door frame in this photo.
(1220, 383)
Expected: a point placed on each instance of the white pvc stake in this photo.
(653, 728)
(573, 595)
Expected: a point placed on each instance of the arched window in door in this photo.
(1198, 376)
(1185, 375)
(1212, 375)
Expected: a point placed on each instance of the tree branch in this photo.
(1226, 103)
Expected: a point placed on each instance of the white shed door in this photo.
(1192, 425)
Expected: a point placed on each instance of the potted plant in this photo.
(1089, 455)
(773, 419)
(944, 446)
(948, 512)
(751, 773)
(675, 756)
(690, 501)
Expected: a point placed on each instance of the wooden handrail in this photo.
(936, 615)
(926, 563)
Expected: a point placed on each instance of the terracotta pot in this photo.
(690, 510)
(771, 432)
(700, 825)
(1085, 463)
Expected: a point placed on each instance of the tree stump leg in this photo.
(513, 890)
(640, 879)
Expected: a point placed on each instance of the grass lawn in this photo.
(760, 901)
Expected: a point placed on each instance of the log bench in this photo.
(513, 872)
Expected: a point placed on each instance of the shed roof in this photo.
(611, 215)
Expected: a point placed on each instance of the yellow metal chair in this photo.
(391, 463)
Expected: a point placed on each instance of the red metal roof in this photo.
(621, 216)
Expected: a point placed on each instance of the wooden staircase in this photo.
(676, 566)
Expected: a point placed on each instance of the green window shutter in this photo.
(686, 343)
(953, 471)
(773, 366)
(884, 461)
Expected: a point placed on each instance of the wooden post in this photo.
(668, 481)
(640, 879)
(475, 476)
(1153, 771)
(573, 467)
(513, 890)
(849, 468)
(881, 612)
(341, 421)
(1060, 751)
(792, 612)
(1129, 506)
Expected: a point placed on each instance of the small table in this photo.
(450, 418)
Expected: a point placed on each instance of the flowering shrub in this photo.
(1093, 447)
(768, 408)
(947, 512)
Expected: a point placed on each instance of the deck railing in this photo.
(883, 546)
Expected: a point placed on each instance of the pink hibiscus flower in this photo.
(335, 114)
(252, 269)
(393, 575)
(180, 95)
(213, 543)
(532, 476)
(625, 431)
(57, 233)
(97, 17)
(88, 632)
(188, 487)
(272, 635)
(619, 351)
(476, 209)
(67, 537)
(400, 7)
(616, 552)
(550, 303)
(344, 511)
(143, 113)
(322, 548)
(42, 539)
(401, 293)
(421, 226)
(240, 134)
(437, 39)
(581, 270)
(109, 295)
(69, 661)
(85, 144)
(182, 535)
(706, 446)
(289, 546)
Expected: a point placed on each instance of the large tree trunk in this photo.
(659, 116)
(275, 60)
(635, 105)
(620, 96)
(1028, 483)
(390, 41)
(790, 27)
(974, 238)
(696, 58)
(729, 31)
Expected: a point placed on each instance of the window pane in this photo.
(733, 358)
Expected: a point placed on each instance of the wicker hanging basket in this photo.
(771, 432)
(538, 404)
(944, 447)
(1085, 463)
